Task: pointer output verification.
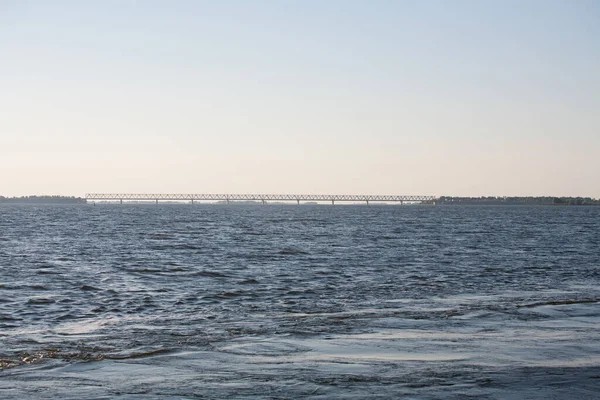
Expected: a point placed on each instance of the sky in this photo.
(447, 98)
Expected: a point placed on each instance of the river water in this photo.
(310, 301)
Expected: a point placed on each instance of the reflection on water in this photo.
(310, 301)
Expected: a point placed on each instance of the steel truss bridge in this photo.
(264, 198)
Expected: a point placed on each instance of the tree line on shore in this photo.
(42, 200)
(514, 200)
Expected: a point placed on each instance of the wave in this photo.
(559, 302)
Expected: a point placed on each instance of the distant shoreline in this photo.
(43, 200)
(522, 201)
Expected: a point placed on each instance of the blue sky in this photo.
(406, 97)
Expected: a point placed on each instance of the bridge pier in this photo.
(298, 200)
(332, 202)
(367, 202)
(264, 202)
(192, 201)
(157, 201)
(121, 201)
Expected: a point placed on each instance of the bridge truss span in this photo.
(121, 197)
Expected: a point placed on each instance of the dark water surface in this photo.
(211, 301)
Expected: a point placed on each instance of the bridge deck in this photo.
(257, 197)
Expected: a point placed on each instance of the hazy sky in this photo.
(388, 97)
